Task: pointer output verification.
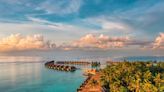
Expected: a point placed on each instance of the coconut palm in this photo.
(133, 77)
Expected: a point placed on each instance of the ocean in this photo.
(34, 77)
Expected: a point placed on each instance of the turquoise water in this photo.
(34, 77)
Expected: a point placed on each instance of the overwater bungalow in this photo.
(51, 65)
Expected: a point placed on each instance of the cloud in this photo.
(139, 43)
(101, 41)
(38, 20)
(37, 24)
(91, 41)
(108, 24)
(159, 42)
(111, 25)
(60, 7)
(58, 31)
(22, 27)
(17, 42)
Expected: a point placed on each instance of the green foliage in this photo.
(134, 77)
(93, 82)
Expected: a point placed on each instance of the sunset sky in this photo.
(134, 26)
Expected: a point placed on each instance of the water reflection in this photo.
(14, 74)
(20, 58)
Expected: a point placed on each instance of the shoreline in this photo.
(89, 86)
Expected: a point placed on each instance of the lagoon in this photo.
(34, 77)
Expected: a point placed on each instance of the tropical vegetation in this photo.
(133, 77)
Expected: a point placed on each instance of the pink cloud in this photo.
(19, 42)
(101, 42)
(159, 42)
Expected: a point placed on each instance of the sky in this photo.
(128, 26)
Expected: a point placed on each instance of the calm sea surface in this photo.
(34, 77)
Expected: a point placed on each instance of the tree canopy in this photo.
(133, 77)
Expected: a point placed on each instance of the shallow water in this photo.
(34, 77)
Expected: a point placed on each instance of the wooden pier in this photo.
(73, 62)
